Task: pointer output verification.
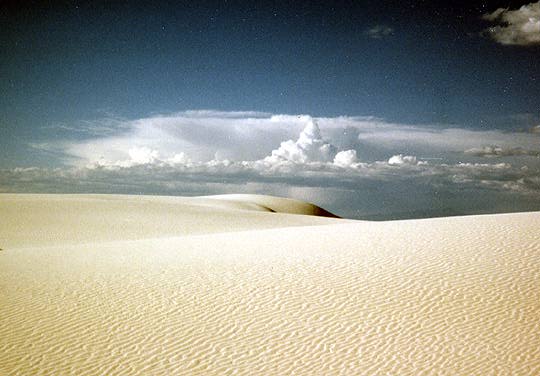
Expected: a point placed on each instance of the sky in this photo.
(376, 110)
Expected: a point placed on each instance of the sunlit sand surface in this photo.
(127, 285)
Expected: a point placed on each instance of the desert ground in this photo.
(259, 285)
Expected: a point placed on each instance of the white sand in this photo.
(125, 285)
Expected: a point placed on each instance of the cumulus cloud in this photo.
(346, 158)
(379, 31)
(400, 159)
(310, 147)
(142, 155)
(515, 27)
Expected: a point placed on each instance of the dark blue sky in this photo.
(66, 62)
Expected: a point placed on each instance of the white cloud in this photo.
(346, 158)
(179, 159)
(203, 135)
(250, 136)
(143, 155)
(310, 147)
(400, 159)
(516, 27)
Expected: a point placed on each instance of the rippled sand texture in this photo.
(292, 295)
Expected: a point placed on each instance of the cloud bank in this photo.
(355, 166)
(515, 27)
(248, 136)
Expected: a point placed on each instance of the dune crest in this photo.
(276, 204)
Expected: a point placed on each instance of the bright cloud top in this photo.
(516, 27)
(310, 147)
(346, 158)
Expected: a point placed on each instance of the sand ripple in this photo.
(441, 296)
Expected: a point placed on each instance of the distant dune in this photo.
(245, 285)
(274, 204)
(42, 220)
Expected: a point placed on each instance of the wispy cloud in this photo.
(379, 31)
(102, 127)
(497, 151)
(515, 27)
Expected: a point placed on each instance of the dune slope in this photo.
(448, 296)
(275, 204)
(42, 220)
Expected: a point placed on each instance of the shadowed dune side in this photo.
(276, 204)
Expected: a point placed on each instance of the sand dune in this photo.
(43, 220)
(274, 204)
(232, 289)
